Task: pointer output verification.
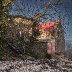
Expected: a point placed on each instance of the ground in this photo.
(30, 64)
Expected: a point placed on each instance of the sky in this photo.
(29, 7)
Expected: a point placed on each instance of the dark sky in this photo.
(29, 7)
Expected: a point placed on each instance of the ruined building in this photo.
(36, 37)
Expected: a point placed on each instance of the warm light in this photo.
(47, 25)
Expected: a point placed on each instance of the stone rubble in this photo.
(46, 65)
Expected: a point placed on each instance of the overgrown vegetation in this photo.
(4, 5)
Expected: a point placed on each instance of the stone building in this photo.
(36, 37)
(53, 33)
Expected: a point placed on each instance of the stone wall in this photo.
(37, 49)
(60, 41)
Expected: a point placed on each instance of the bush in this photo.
(4, 6)
(1, 52)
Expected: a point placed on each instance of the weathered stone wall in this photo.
(60, 41)
(37, 49)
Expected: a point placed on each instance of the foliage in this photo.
(4, 4)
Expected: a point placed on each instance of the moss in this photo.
(60, 55)
(1, 52)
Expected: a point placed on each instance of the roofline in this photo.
(20, 16)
